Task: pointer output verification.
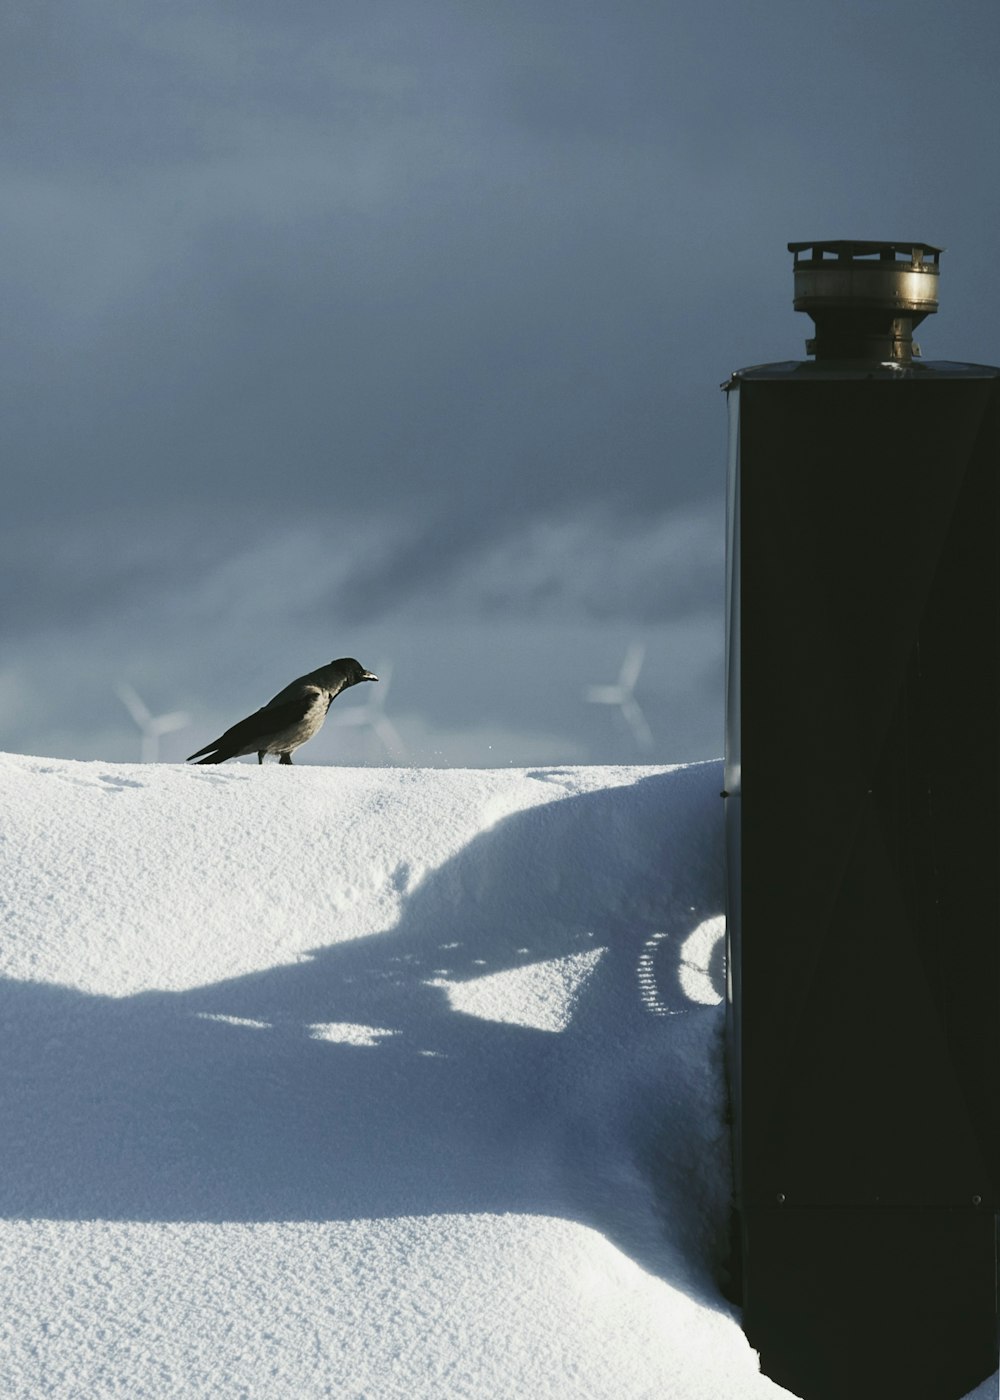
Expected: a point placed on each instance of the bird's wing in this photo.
(268, 720)
(293, 690)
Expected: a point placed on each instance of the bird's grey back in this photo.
(330, 678)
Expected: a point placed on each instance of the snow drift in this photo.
(364, 1083)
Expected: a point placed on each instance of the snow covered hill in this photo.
(363, 1083)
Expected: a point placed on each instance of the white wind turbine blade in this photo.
(604, 694)
(636, 721)
(150, 726)
(133, 704)
(621, 695)
(631, 666)
(166, 724)
(349, 716)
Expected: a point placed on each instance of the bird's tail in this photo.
(213, 754)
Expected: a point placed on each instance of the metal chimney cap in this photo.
(865, 297)
(854, 248)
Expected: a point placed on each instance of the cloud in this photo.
(332, 268)
(574, 564)
(336, 328)
(243, 576)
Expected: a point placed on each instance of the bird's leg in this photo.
(260, 756)
(285, 758)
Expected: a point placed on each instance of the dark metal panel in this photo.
(868, 944)
(918, 1320)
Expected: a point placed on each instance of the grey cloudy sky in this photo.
(394, 328)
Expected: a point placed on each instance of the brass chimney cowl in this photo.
(865, 298)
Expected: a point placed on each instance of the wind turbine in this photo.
(150, 726)
(371, 712)
(621, 694)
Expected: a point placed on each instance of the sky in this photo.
(395, 329)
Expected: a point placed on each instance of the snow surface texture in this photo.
(364, 1083)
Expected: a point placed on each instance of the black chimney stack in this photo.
(863, 829)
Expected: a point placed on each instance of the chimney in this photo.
(862, 797)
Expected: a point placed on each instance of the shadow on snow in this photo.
(147, 1108)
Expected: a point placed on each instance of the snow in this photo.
(365, 1083)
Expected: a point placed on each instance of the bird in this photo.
(294, 715)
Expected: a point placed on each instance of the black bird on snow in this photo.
(293, 716)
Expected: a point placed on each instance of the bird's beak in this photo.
(367, 676)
